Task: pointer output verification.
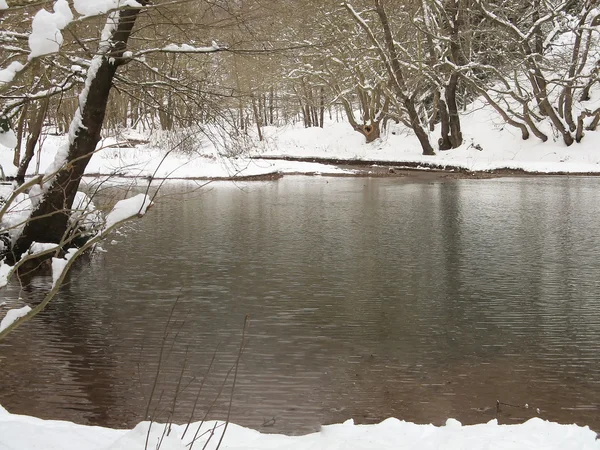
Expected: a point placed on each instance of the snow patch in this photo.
(186, 48)
(46, 36)
(8, 74)
(131, 207)
(8, 138)
(59, 264)
(28, 432)
(5, 270)
(92, 8)
(12, 316)
(37, 248)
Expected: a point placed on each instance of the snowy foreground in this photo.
(23, 433)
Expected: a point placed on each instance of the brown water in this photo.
(367, 298)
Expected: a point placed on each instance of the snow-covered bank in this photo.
(112, 158)
(24, 433)
(489, 144)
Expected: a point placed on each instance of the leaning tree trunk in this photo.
(49, 221)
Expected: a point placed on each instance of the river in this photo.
(367, 298)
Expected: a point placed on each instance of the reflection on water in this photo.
(368, 298)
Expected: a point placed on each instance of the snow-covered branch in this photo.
(46, 36)
(175, 48)
(122, 212)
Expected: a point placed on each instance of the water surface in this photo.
(367, 298)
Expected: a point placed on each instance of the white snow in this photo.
(502, 146)
(84, 213)
(8, 74)
(18, 212)
(130, 207)
(5, 271)
(11, 317)
(41, 247)
(46, 36)
(186, 48)
(95, 7)
(23, 432)
(3, 4)
(149, 161)
(8, 138)
(59, 264)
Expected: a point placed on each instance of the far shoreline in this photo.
(357, 168)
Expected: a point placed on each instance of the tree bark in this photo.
(257, 118)
(444, 142)
(456, 138)
(35, 129)
(321, 107)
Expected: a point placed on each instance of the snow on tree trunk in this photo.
(49, 221)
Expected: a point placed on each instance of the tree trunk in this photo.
(456, 11)
(370, 132)
(271, 106)
(49, 221)
(444, 143)
(399, 83)
(35, 129)
(456, 138)
(321, 107)
(20, 130)
(257, 118)
(435, 111)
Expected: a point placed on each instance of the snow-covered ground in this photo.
(489, 144)
(113, 158)
(28, 433)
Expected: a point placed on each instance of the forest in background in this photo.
(366, 62)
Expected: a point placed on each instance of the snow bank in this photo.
(23, 432)
(146, 161)
(488, 145)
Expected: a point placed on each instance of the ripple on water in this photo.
(367, 299)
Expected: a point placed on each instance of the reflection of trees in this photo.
(64, 358)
